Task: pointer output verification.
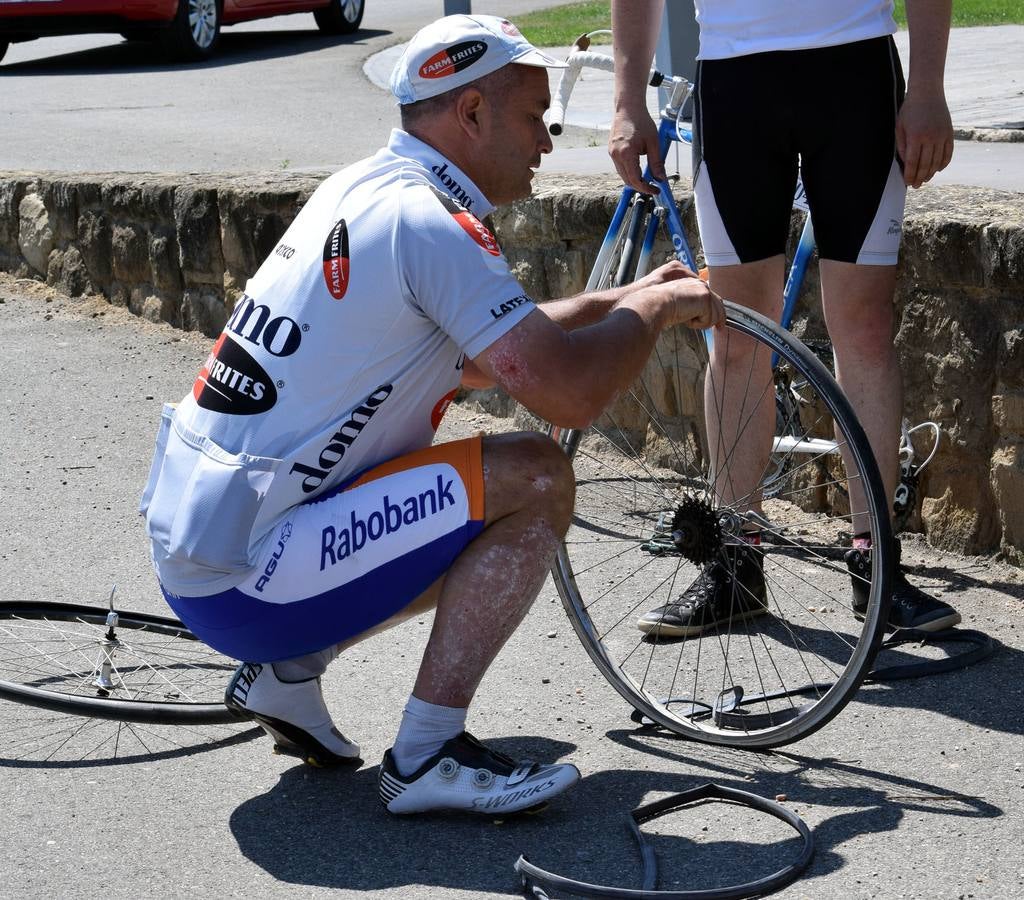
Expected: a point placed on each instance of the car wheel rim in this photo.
(202, 20)
(350, 9)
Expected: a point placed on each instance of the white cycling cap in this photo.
(456, 50)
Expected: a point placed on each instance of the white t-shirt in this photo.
(731, 28)
(344, 352)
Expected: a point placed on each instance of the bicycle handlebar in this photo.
(576, 62)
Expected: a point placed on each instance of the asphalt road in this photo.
(278, 94)
(915, 790)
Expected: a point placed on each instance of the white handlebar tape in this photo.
(577, 60)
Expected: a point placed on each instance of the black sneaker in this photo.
(465, 775)
(911, 607)
(715, 598)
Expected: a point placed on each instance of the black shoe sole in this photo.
(529, 811)
(940, 624)
(290, 740)
(655, 630)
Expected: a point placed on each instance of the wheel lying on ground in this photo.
(340, 16)
(141, 668)
(650, 519)
(195, 31)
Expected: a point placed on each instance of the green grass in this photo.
(976, 12)
(561, 25)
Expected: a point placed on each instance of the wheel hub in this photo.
(696, 532)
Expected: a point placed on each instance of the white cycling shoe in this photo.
(292, 713)
(465, 775)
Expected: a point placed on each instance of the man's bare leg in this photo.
(858, 305)
(858, 302)
(530, 490)
(739, 411)
(433, 764)
(739, 399)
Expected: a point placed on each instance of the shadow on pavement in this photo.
(968, 575)
(866, 801)
(147, 56)
(328, 829)
(988, 695)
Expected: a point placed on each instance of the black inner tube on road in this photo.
(536, 881)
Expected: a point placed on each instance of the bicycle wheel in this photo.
(140, 668)
(652, 518)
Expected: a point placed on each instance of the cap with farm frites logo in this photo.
(456, 50)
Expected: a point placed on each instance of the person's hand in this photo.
(695, 305)
(633, 135)
(671, 271)
(924, 137)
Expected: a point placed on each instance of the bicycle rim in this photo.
(751, 679)
(31, 737)
(152, 670)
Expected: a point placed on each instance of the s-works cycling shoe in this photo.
(292, 713)
(465, 775)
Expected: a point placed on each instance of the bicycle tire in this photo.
(50, 656)
(633, 467)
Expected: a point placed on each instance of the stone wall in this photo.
(171, 248)
(180, 250)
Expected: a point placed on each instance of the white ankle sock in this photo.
(425, 728)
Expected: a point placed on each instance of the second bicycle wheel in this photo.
(662, 507)
(142, 668)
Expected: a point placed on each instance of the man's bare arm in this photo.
(924, 132)
(569, 376)
(635, 26)
(584, 309)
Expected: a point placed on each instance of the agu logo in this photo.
(453, 59)
(336, 260)
(469, 223)
(271, 566)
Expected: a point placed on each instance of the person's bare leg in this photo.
(529, 488)
(530, 491)
(739, 399)
(858, 305)
(434, 763)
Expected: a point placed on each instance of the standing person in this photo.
(817, 89)
(295, 505)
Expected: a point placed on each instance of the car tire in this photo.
(195, 31)
(139, 34)
(340, 16)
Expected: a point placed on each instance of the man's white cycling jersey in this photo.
(344, 351)
(731, 28)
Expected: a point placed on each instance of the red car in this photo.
(188, 29)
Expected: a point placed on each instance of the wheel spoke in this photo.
(756, 672)
(153, 670)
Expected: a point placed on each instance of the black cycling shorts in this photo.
(828, 114)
